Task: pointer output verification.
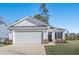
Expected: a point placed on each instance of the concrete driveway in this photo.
(22, 50)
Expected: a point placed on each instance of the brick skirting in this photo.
(45, 41)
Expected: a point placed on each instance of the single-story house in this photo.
(4, 32)
(31, 30)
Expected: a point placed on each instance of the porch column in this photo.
(63, 35)
(53, 36)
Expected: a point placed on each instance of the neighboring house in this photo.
(4, 32)
(31, 30)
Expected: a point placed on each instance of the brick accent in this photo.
(52, 40)
(59, 40)
(45, 41)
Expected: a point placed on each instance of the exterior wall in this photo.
(45, 37)
(45, 34)
(53, 36)
(4, 32)
(13, 36)
(25, 23)
(10, 35)
(63, 35)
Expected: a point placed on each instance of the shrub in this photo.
(8, 42)
(61, 41)
(70, 38)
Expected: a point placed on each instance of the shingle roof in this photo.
(52, 27)
(31, 19)
(36, 21)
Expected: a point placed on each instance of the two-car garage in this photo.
(28, 37)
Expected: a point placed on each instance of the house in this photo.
(4, 32)
(31, 30)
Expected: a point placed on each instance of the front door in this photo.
(50, 36)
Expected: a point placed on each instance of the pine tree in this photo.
(43, 16)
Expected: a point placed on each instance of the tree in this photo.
(72, 35)
(43, 16)
(38, 16)
(67, 34)
(77, 35)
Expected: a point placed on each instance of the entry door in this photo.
(50, 36)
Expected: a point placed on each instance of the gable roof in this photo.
(35, 21)
(30, 19)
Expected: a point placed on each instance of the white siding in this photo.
(25, 23)
(45, 34)
(10, 35)
(53, 35)
(63, 35)
(28, 37)
(4, 32)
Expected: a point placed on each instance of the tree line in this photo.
(72, 35)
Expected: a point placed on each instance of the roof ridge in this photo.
(32, 18)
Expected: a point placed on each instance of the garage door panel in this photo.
(28, 37)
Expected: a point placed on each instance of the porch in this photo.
(55, 35)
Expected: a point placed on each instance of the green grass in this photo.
(1, 45)
(70, 48)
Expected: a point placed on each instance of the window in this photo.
(58, 35)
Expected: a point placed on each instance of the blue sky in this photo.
(61, 15)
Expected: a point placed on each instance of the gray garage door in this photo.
(28, 37)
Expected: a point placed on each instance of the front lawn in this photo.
(1, 45)
(70, 48)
